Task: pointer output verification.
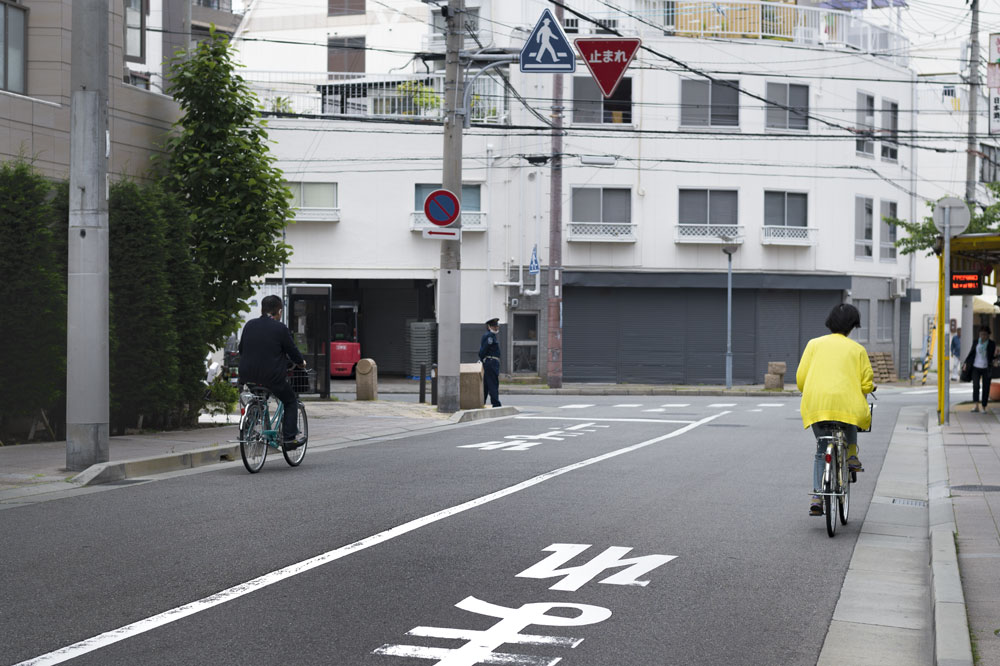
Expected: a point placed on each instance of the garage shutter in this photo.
(590, 335)
(383, 330)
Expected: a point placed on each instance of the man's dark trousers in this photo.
(491, 381)
(289, 423)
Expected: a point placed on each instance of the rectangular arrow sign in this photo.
(443, 234)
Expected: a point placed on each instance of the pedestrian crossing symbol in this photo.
(533, 264)
(547, 50)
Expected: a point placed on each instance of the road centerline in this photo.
(107, 638)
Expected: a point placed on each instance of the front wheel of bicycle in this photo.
(844, 503)
(829, 499)
(295, 456)
(253, 443)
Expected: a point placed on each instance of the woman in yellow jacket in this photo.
(834, 375)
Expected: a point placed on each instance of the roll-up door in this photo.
(590, 335)
(384, 313)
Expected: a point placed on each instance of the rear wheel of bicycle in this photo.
(295, 456)
(829, 499)
(844, 503)
(253, 444)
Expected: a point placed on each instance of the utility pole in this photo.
(555, 338)
(450, 275)
(87, 382)
(970, 171)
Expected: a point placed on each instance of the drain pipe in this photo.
(520, 267)
(489, 199)
(538, 237)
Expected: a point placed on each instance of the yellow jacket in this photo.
(834, 375)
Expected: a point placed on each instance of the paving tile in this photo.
(887, 599)
(883, 646)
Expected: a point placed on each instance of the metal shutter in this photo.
(383, 327)
(590, 334)
(651, 336)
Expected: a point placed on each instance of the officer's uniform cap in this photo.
(493, 322)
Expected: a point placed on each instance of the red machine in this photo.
(345, 350)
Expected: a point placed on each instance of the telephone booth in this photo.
(309, 321)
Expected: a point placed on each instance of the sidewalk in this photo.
(399, 385)
(28, 471)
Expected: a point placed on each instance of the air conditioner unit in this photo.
(898, 287)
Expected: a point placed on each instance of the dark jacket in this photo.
(265, 348)
(991, 351)
(489, 345)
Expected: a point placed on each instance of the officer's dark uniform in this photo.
(265, 347)
(489, 354)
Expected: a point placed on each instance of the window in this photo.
(471, 200)
(793, 96)
(220, 5)
(865, 124)
(710, 103)
(313, 195)
(887, 232)
(571, 25)
(712, 207)
(863, 227)
(13, 21)
(345, 54)
(785, 209)
(883, 330)
(525, 339)
(344, 8)
(590, 105)
(608, 26)
(135, 30)
(669, 16)
(989, 162)
(864, 309)
(890, 130)
(610, 205)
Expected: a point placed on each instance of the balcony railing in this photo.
(778, 235)
(316, 214)
(400, 96)
(602, 232)
(710, 234)
(472, 220)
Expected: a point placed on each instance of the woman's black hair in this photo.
(843, 319)
(985, 328)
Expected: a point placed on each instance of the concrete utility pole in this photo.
(87, 383)
(554, 370)
(450, 275)
(966, 321)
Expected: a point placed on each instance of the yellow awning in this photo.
(981, 306)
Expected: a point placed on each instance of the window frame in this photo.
(525, 342)
(294, 185)
(786, 111)
(600, 189)
(890, 135)
(709, 125)
(5, 7)
(883, 333)
(341, 45)
(604, 111)
(865, 143)
(887, 232)
(989, 163)
(467, 204)
(143, 11)
(865, 313)
(784, 204)
(870, 242)
(349, 8)
(708, 206)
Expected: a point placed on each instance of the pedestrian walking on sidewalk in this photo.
(834, 375)
(956, 354)
(980, 361)
(489, 356)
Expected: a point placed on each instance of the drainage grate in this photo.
(909, 502)
(978, 489)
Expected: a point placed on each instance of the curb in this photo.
(952, 644)
(468, 415)
(119, 470)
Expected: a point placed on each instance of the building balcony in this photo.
(709, 234)
(316, 214)
(601, 232)
(779, 235)
(472, 220)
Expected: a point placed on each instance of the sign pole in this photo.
(945, 371)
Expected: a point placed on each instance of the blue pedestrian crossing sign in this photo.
(533, 264)
(547, 50)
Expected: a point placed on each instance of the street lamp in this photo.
(729, 248)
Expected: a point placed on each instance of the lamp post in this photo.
(729, 248)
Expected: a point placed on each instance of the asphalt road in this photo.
(592, 530)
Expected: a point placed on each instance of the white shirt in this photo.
(980, 361)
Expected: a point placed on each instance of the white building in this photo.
(793, 149)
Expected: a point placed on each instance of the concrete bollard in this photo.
(367, 379)
(470, 388)
(776, 367)
(775, 377)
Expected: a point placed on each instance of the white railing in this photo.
(779, 235)
(472, 220)
(372, 95)
(602, 232)
(710, 234)
(316, 214)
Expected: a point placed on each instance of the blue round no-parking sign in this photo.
(441, 207)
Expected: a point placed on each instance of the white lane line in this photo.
(770, 404)
(755, 410)
(580, 426)
(622, 420)
(723, 404)
(142, 626)
(575, 406)
(655, 409)
(629, 404)
(677, 404)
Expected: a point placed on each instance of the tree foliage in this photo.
(33, 293)
(221, 171)
(923, 235)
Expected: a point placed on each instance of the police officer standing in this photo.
(489, 356)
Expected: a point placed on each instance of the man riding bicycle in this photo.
(265, 349)
(834, 375)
